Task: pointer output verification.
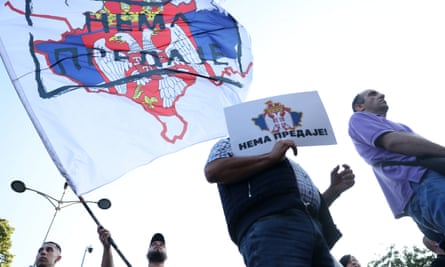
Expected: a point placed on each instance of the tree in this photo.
(5, 243)
(416, 257)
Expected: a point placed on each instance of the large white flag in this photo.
(112, 85)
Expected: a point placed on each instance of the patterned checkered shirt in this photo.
(308, 191)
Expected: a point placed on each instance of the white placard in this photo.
(255, 126)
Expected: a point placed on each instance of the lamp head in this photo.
(18, 186)
(90, 249)
(104, 203)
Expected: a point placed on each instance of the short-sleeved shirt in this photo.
(309, 193)
(364, 129)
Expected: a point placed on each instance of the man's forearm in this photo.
(236, 169)
(330, 195)
(107, 258)
(410, 144)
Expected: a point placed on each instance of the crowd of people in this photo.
(277, 216)
(50, 252)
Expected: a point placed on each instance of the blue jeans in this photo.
(286, 240)
(427, 206)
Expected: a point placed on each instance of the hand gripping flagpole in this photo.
(112, 243)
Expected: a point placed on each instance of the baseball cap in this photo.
(345, 259)
(157, 237)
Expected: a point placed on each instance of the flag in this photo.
(112, 85)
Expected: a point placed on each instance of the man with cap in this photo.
(156, 255)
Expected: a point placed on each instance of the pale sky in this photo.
(337, 48)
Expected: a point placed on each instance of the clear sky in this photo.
(335, 47)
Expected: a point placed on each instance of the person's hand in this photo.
(433, 246)
(280, 148)
(104, 236)
(342, 181)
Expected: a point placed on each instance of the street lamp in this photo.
(20, 187)
(89, 249)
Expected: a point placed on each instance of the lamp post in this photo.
(58, 204)
(20, 187)
(89, 249)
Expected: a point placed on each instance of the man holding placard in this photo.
(274, 213)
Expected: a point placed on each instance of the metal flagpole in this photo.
(112, 243)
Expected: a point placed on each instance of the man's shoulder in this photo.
(223, 141)
(221, 149)
(364, 118)
(364, 114)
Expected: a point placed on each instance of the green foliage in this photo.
(5, 243)
(415, 257)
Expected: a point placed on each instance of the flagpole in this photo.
(112, 243)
